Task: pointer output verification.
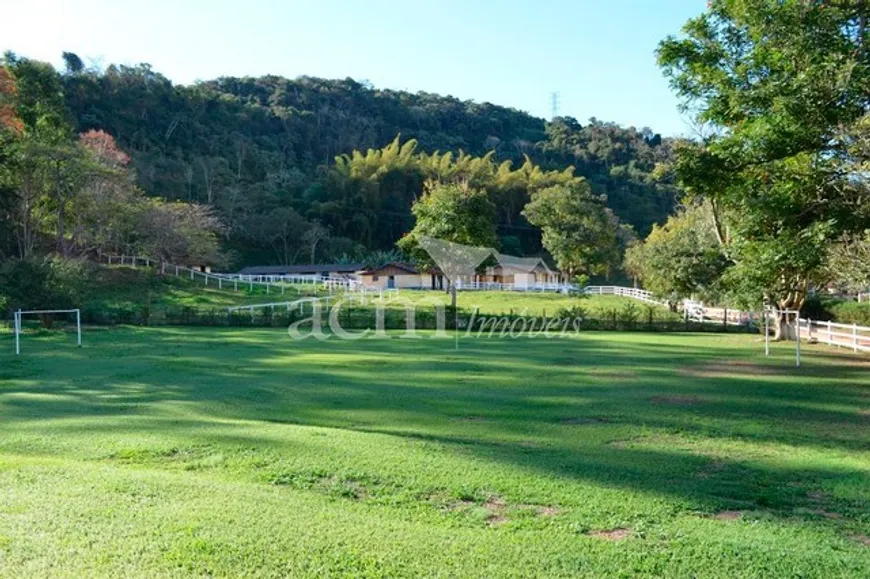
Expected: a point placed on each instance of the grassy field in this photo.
(226, 452)
(127, 287)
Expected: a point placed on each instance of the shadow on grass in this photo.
(569, 408)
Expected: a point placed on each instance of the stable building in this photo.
(520, 272)
(402, 275)
(323, 270)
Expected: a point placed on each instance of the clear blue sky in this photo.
(598, 54)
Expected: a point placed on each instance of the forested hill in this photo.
(255, 148)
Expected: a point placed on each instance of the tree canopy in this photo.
(781, 90)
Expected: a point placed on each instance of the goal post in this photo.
(778, 315)
(21, 313)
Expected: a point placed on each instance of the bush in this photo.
(572, 312)
(43, 284)
(851, 313)
(815, 308)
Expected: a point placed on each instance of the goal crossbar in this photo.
(20, 313)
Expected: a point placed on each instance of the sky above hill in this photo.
(598, 55)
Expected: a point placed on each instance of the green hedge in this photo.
(851, 313)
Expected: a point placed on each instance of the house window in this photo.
(374, 278)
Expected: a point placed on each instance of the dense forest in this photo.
(275, 156)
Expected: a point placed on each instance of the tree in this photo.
(781, 88)
(849, 262)
(456, 213)
(576, 226)
(101, 212)
(181, 233)
(44, 283)
(11, 128)
(313, 237)
(9, 120)
(285, 230)
(73, 63)
(680, 259)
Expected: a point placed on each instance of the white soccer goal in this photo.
(20, 313)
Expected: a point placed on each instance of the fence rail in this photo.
(630, 292)
(285, 278)
(850, 336)
(219, 280)
(276, 283)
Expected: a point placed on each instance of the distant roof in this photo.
(526, 264)
(314, 269)
(404, 265)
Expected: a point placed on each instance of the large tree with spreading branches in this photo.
(781, 91)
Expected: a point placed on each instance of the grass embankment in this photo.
(539, 304)
(132, 288)
(129, 289)
(236, 452)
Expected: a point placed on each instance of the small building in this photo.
(323, 270)
(521, 272)
(404, 275)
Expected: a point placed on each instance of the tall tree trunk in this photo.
(785, 326)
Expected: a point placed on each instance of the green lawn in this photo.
(237, 452)
(532, 303)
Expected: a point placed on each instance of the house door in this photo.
(391, 282)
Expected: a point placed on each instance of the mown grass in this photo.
(226, 452)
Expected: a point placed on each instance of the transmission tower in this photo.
(554, 105)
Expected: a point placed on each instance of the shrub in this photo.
(816, 308)
(851, 313)
(43, 284)
(572, 312)
(630, 313)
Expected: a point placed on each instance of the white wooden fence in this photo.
(852, 336)
(629, 292)
(698, 312)
(217, 280)
(286, 278)
(271, 283)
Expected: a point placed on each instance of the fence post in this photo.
(855, 337)
(830, 335)
(725, 319)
